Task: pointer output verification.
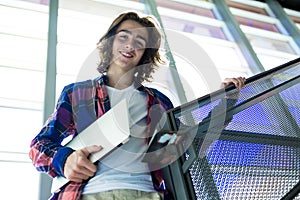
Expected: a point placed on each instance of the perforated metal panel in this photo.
(247, 171)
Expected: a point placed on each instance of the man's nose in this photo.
(130, 45)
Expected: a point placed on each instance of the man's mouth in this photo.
(127, 54)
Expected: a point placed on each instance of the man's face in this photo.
(129, 44)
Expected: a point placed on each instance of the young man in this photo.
(129, 55)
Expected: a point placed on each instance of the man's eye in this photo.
(123, 36)
(140, 45)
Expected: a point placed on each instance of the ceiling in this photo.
(291, 4)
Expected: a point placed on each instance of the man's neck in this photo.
(119, 81)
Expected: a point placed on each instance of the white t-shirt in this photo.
(123, 168)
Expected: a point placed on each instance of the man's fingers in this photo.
(238, 82)
(81, 170)
(91, 149)
(88, 167)
(79, 176)
(78, 167)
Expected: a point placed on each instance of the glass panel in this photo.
(19, 129)
(295, 19)
(24, 22)
(193, 80)
(219, 55)
(270, 61)
(22, 85)
(246, 7)
(19, 181)
(23, 53)
(257, 24)
(192, 27)
(185, 23)
(185, 8)
(71, 57)
(45, 2)
(212, 53)
(267, 43)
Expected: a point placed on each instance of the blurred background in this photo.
(45, 45)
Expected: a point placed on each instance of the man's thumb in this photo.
(91, 149)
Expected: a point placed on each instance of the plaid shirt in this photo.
(78, 106)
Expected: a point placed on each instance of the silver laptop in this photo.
(109, 131)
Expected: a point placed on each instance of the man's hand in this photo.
(239, 82)
(78, 167)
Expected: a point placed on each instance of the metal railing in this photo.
(248, 149)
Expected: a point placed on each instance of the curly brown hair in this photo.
(151, 57)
